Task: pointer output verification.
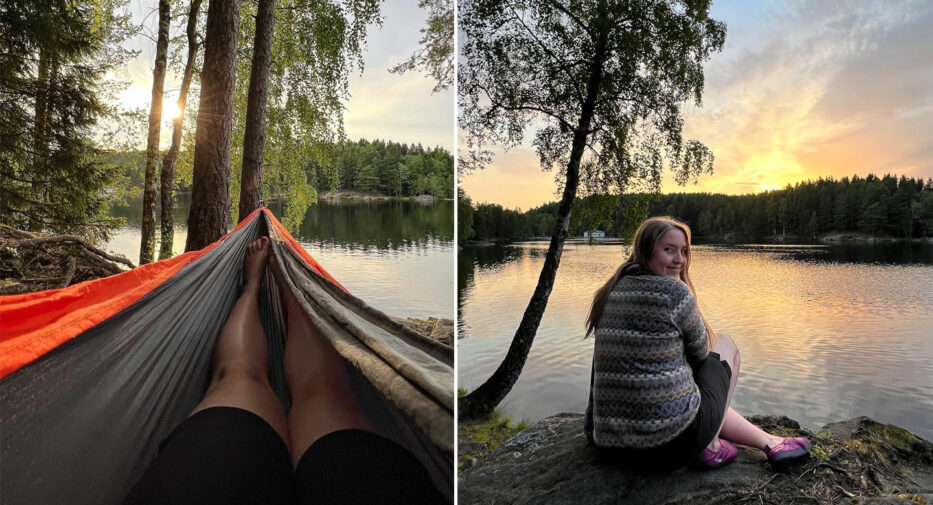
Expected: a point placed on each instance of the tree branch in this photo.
(559, 6)
(528, 108)
(551, 54)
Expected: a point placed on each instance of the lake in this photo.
(826, 333)
(398, 256)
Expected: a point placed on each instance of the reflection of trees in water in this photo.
(383, 225)
(380, 225)
(133, 211)
(895, 254)
(470, 259)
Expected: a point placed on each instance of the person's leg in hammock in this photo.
(233, 448)
(337, 457)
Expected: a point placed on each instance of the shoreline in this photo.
(368, 197)
(835, 238)
(853, 461)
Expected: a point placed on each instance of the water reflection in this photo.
(822, 339)
(377, 224)
(397, 256)
(892, 253)
(382, 224)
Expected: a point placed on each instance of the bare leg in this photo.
(729, 353)
(739, 430)
(240, 359)
(734, 427)
(322, 401)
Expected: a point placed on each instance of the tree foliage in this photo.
(528, 62)
(423, 171)
(436, 54)
(314, 48)
(385, 168)
(56, 86)
(897, 206)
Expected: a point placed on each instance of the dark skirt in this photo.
(232, 456)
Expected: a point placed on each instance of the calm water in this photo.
(397, 256)
(826, 333)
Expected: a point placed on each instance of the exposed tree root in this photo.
(33, 262)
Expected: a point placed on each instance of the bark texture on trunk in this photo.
(40, 135)
(168, 163)
(481, 401)
(254, 138)
(40, 147)
(210, 192)
(147, 238)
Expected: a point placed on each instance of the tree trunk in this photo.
(210, 192)
(481, 401)
(147, 239)
(255, 136)
(40, 136)
(168, 163)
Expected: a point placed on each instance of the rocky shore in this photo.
(438, 329)
(855, 461)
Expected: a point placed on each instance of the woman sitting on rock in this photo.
(662, 380)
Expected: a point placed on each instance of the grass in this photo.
(478, 439)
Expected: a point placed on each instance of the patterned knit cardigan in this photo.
(642, 392)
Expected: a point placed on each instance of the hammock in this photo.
(94, 376)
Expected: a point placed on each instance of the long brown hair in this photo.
(646, 237)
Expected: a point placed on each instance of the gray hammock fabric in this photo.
(83, 422)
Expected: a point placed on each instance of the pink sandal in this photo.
(710, 459)
(789, 452)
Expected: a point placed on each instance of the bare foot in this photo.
(254, 263)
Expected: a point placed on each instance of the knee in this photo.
(730, 347)
(725, 338)
(241, 370)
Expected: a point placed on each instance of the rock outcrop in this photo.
(438, 329)
(854, 461)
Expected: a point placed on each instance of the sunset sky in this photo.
(801, 89)
(382, 105)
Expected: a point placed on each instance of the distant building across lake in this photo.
(595, 234)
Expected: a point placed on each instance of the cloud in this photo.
(400, 108)
(396, 107)
(820, 90)
(803, 90)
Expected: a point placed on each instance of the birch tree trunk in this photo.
(168, 163)
(147, 238)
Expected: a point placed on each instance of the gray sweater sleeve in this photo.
(686, 317)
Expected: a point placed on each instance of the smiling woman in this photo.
(662, 379)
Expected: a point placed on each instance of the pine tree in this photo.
(55, 57)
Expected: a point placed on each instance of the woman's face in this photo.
(670, 253)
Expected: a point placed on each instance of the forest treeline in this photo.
(881, 206)
(376, 167)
